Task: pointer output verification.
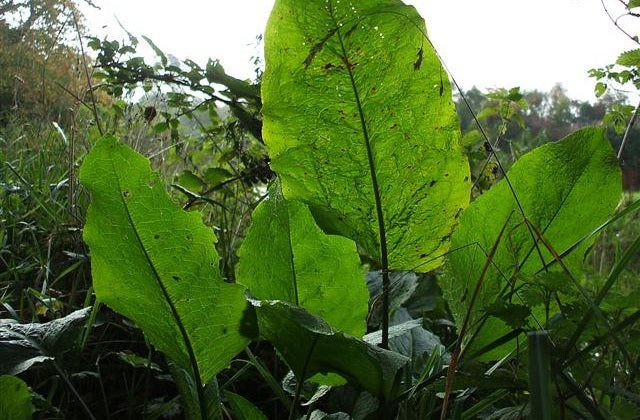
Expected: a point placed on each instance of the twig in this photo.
(94, 107)
(615, 23)
(628, 129)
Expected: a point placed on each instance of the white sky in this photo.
(489, 43)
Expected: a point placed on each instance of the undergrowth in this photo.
(212, 161)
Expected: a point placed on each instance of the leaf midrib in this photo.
(384, 258)
(294, 276)
(165, 293)
(370, 158)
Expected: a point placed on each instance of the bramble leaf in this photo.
(630, 58)
(633, 4)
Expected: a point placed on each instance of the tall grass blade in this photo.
(540, 374)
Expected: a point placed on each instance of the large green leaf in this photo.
(23, 345)
(15, 399)
(310, 346)
(566, 189)
(285, 256)
(157, 264)
(359, 122)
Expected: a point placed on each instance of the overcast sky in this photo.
(489, 43)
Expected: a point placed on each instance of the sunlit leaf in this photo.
(156, 264)
(360, 125)
(630, 58)
(285, 256)
(15, 399)
(633, 4)
(566, 189)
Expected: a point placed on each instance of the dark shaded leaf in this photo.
(23, 345)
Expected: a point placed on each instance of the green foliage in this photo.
(41, 248)
(160, 267)
(345, 152)
(540, 374)
(242, 409)
(289, 290)
(311, 346)
(302, 265)
(23, 345)
(15, 399)
(629, 58)
(42, 70)
(562, 190)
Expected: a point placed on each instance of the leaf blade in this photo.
(302, 265)
(15, 399)
(566, 189)
(23, 345)
(356, 151)
(156, 264)
(310, 346)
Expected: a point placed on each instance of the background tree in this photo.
(42, 69)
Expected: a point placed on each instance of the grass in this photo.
(43, 263)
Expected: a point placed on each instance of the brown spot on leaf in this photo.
(317, 47)
(418, 64)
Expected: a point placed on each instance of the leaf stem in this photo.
(73, 389)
